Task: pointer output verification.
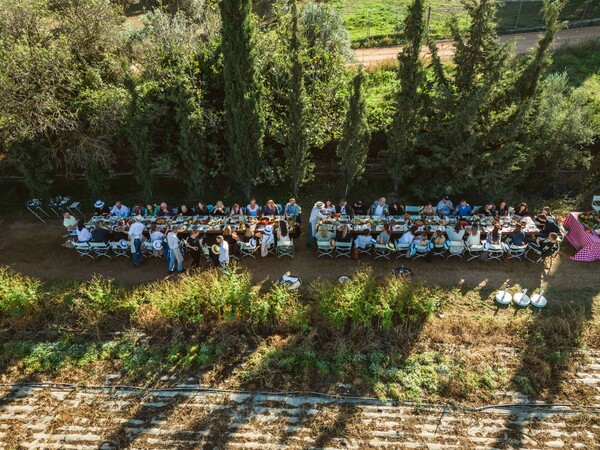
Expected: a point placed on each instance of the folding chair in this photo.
(517, 251)
(83, 248)
(382, 251)
(248, 250)
(343, 249)
(118, 250)
(324, 248)
(100, 249)
(403, 250)
(363, 250)
(58, 204)
(495, 252)
(456, 248)
(279, 208)
(440, 250)
(74, 207)
(34, 206)
(285, 249)
(596, 203)
(420, 251)
(414, 210)
(535, 254)
(474, 252)
(476, 209)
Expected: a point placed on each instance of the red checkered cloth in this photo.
(587, 243)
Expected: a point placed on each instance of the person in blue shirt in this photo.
(445, 207)
(463, 209)
(292, 209)
(120, 210)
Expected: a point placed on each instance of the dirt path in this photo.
(185, 417)
(524, 42)
(35, 249)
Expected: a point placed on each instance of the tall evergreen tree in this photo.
(297, 154)
(409, 100)
(354, 145)
(244, 115)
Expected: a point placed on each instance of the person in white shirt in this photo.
(119, 210)
(474, 237)
(266, 241)
(283, 237)
(363, 240)
(69, 222)
(135, 232)
(174, 251)
(83, 234)
(223, 251)
(456, 233)
(156, 235)
(409, 236)
(313, 221)
(380, 208)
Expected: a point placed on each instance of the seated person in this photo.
(474, 236)
(550, 226)
(100, 209)
(439, 240)
(547, 245)
(99, 233)
(329, 208)
(522, 210)
(150, 210)
(266, 241)
(283, 236)
(495, 237)
(270, 209)
(363, 240)
(236, 210)
(445, 206)
(165, 211)
(423, 244)
(380, 208)
(184, 211)
(83, 234)
(384, 236)
(344, 208)
(517, 237)
(324, 234)
(252, 209)
(456, 233)
(119, 232)
(201, 209)
(463, 209)
(69, 222)
(488, 210)
(360, 209)
(219, 209)
(544, 215)
(344, 234)
(409, 236)
(502, 208)
(232, 238)
(155, 234)
(428, 209)
(292, 209)
(137, 210)
(120, 210)
(396, 209)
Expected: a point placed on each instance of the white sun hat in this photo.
(123, 243)
(99, 204)
(157, 245)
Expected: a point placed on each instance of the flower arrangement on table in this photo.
(590, 220)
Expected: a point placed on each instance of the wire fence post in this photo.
(428, 18)
(369, 25)
(585, 10)
(519, 14)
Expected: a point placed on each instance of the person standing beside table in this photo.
(223, 252)
(174, 251)
(313, 221)
(136, 231)
(194, 244)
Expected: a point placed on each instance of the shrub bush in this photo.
(19, 295)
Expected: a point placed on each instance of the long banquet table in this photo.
(587, 243)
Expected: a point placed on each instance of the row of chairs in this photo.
(278, 249)
(97, 250)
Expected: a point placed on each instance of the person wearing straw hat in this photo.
(136, 231)
(100, 209)
(313, 221)
(223, 252)
(174, 251)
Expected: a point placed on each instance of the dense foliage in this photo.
(240, 96)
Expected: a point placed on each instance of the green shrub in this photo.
(19, 295)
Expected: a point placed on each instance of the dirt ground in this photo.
(523, 43)
(35, 249)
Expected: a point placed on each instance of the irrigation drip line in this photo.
(594, 409)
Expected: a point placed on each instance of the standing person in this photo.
(174, 251)
(135, 237)
(445, 206)
(313, 221)
(194, 244)
(223, 252)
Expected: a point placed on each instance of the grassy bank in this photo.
(383, 337)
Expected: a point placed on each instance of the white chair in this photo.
(100, 249)
(83, 248)
(324, 248)
(495, 252)
(420, 250)
(474, 252)
(285, 249)
(343, 249)
(403, 250)
(440, 250)
(118, 250)
(414, 210)
(596, 203)
(383, 251)
(365, 249)
(517, 251)
(248, 250)
(456, 248)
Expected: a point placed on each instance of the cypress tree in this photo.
(354, 146)
(409, 101)
(297, 154)
(244, 115)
